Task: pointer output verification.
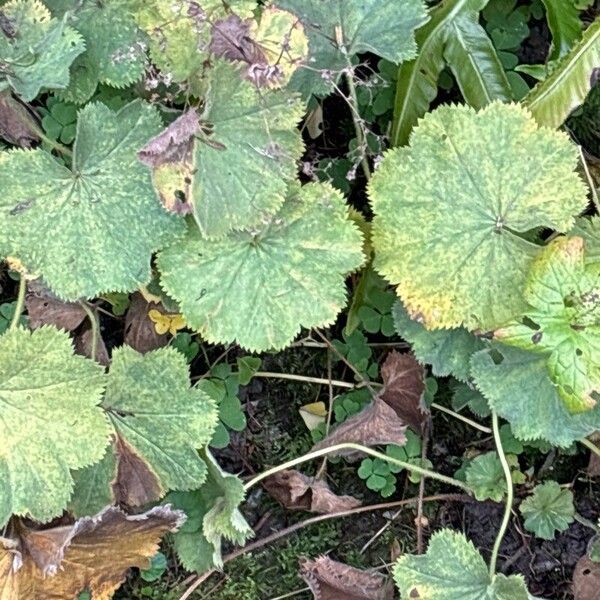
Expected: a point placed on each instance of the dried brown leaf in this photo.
(140, 332)
(377, 424)
(83, 346)
(17, 124)
(44, 308)
(404, 385)
(93, 554)
(586, 579)
(331, 580)
(296, 491)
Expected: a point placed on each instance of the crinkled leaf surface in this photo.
(259, 287)
(486, 477)
(340, 29)
(517, 386)
(449, 207)
(92, 554)
(50, 421)
(563, 321)
(448, 351)
(105, 215)
(548, 510)
(453, 569)
(213, 514)
(243, 167)
(36, 50)
(158, 424)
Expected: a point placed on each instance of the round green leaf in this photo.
(50, 421)
(548, 510)
(486, 477)
(106, 220)
(450, 208)
(260, 287)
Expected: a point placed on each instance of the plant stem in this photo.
(509, 496)
(590, 446)
(306, 379)
(360, 134)
(586, 522)
(20, 303)
(358, 448)
(460, 417)
(93, 317)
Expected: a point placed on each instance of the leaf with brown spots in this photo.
(93, 554)
(376, 424)
(296, 491)
(586, 579)
(44, 308)
(404, 384)
(140, 332)
(331, 580)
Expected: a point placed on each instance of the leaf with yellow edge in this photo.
(452, 207)
(93, 554)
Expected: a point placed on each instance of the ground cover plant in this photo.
(268, 258)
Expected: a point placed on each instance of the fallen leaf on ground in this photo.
(17, 124)
(331, 580)
(313, 414)
(83, 346)
(404, 385)
(586, 579)
(140, 332)
(44, 308)
(92, 554)
(296, 491)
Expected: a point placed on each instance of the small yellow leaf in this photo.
(313, 414)
(163, 323)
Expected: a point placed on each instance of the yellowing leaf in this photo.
(313, 414)
(165, 322)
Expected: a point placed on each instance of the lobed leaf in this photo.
(486, 478)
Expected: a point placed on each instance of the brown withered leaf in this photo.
(17, 123)
(92, 554)
(296, 491)
(331, 580)
(231, 40)
(376, 424)
(83, 345)
(593, 468)
(404, 386)
(586, 579)
(44, 308)
(140, 332)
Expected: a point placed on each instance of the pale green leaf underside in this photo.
(39, 51)
(151, 406)
(50, 421)
(548, 510)
(516, 384)
(242, 173)
(378, 26)
(449, 206)
(552, 100)
(93, 490)
(260, 287)
(453, 569)
(93, 228)
(448, 351)
(589, 230)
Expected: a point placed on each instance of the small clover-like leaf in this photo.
(486, 477)
(340, 29)
(50, 421)
(453, 569)
(449, 211)
(548, 510)
(104, 204)
(563, 321)
(36, 50)
(259, 287)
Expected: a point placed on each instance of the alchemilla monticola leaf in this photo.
(36, 50)
(453, 569)
(451, 208)
(563, 321)
(91, 228)
(50, 421)
(259, 287)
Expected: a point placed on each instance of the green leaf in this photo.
(463, 260)
(447, 350)
(451, 37)
(486, 477)
(259, 287)
(453, 569)
(517, 386)
(102, 240)
(589, 230)
(552, 100)
(563, 321)
(548, 510)
(247, 366)
(213, 515)
(158, 566)
(340, 29)
(36, 49)
(242, 171)
(565, 26)
(50, 421)
(463, 394)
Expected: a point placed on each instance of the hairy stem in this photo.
(358, 448)
(93, 317)
(509, 495)
(20, 303)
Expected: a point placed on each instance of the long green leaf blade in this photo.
(565, 26)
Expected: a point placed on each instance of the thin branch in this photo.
(323, 466)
